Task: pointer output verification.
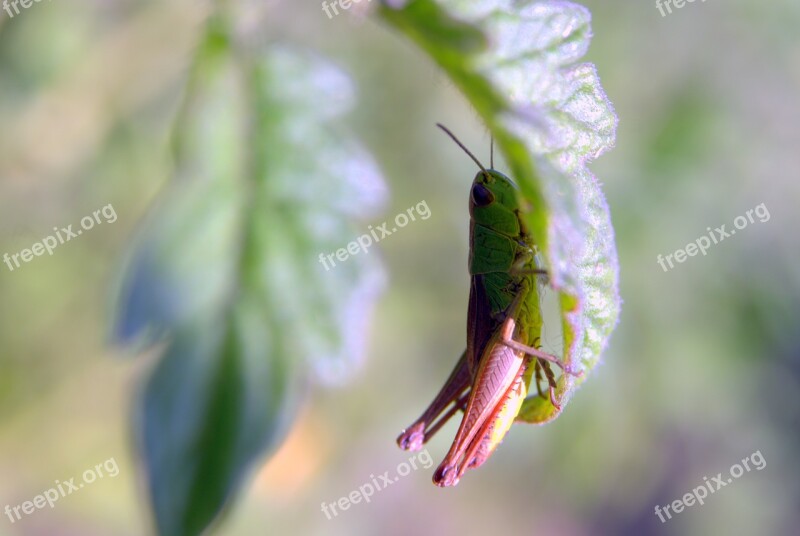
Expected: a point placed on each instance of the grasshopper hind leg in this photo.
(455, 392)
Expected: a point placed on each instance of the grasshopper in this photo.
(490, 381)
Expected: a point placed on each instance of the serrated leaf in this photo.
(550, 117)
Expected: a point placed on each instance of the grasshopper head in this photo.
(493, 202)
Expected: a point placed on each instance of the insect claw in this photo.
(413, 438)
(569, 370)
(445, 475)
(553, 399)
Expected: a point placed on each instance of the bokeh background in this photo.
(702, 371)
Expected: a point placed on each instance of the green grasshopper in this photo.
(491, 380)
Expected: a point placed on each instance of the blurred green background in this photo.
(702, 371)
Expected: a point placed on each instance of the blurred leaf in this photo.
(213, 405)
(549, 116)
(227, 271)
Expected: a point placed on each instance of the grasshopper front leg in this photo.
(416, 435)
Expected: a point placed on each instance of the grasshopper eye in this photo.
(481, 195)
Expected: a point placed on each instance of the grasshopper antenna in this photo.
(491, 152)
(458, 142)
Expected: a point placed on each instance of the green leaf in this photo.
(213, 405)
(226, 271)
(549, 116)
